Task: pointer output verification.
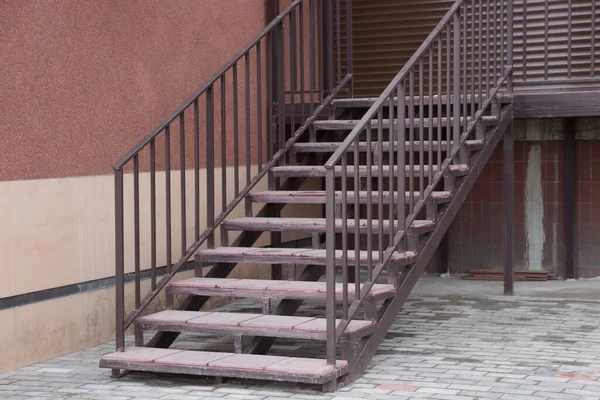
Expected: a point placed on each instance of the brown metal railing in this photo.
(171, 197)
(439, 98)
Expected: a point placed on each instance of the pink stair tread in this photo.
(267, 289)
(224, 319)
(225, 364)
(194, 358)
(228, 323)
(305, 366)
(247, 361)
(276, 321)
(173, 316)
(291, 256)
(140, 354)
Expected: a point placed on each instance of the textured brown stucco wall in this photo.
(82, 82)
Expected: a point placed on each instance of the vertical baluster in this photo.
(224, 153)
(210, 164)
(546, 20)
(473, 99)
(344, 206)
(119, 262)
(392, 142)
(338, 35)
(430, 109)
(247, 115)
(495, 43)
(236, 140)
(168, 195)
(152, 214)
(465, 82)
(380, 176)
(401, 196)
(136, 230)
(349, 49)
(456, 68)
(259, 114)
(449, 66)
(321, 44)
(570, 36)
(440, 93)
(524, 52)
(196, 170)
(487, 48)
(356, 220)
(511, 41)
(411, 141)
(421, 128)
(330, 268)
(479, 53)
(292, 39)
(369, 168)
(281, 88)
(302, 61)
(311, 54)
(182, 182)
(502, 53)
(593, 41)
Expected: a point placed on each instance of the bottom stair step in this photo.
(288, 369)
(230, 323)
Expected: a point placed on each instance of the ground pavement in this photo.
(454, 339)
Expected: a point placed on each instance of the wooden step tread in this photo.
(270, 255)
(291, 369)
(329, 147)
(230, 323)
(349, 124)
(320, 196)
(316, 225)
(313, 171)
(365, 102)
(268, 289)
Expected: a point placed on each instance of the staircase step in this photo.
(309, 171)
(291, 369)
(366, 102)
(329, 147)
(316, 225)
(268, 289)
(290, 256)
(226, 323)
(336, 125)
(320, 196)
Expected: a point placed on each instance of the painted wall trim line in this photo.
(38, 296)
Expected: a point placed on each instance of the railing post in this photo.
(349, 48)
(510, 39)
(330, 268)
(456, 93)
(327, 74)
(119, 264)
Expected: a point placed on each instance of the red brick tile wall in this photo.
(475, 237)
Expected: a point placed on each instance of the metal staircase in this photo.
(393, 182)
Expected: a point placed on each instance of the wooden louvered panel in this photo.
(542, 44)
(385, 34)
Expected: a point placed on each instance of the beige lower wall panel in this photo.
(56, 232)
(49, 329)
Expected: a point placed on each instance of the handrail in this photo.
(335, 157)
(188, 102)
